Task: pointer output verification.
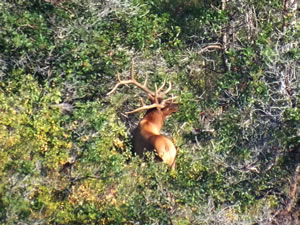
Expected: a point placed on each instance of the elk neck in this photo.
(152, 123)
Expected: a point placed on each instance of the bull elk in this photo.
(146, 136)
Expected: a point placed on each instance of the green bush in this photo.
(65, 146)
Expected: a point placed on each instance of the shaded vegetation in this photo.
(65, 147)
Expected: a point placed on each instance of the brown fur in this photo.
(147, 137)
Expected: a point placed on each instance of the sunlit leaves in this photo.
(65, 149)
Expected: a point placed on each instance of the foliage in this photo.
(65, 147)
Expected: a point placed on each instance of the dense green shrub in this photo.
(65, 147)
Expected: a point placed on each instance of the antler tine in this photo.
(146, 80)
(162, 86)
(155, 86)
(142, 101)
(146, 107)
(116, 86)
(169, 99)
(156, 94)
(169, 88)
(119, 78)
(132, 81)
(156, 104)
(132, 70)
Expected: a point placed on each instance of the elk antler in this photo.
(132, 81)
(155, 97)
(156, 104)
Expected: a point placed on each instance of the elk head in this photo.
(146, 136)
